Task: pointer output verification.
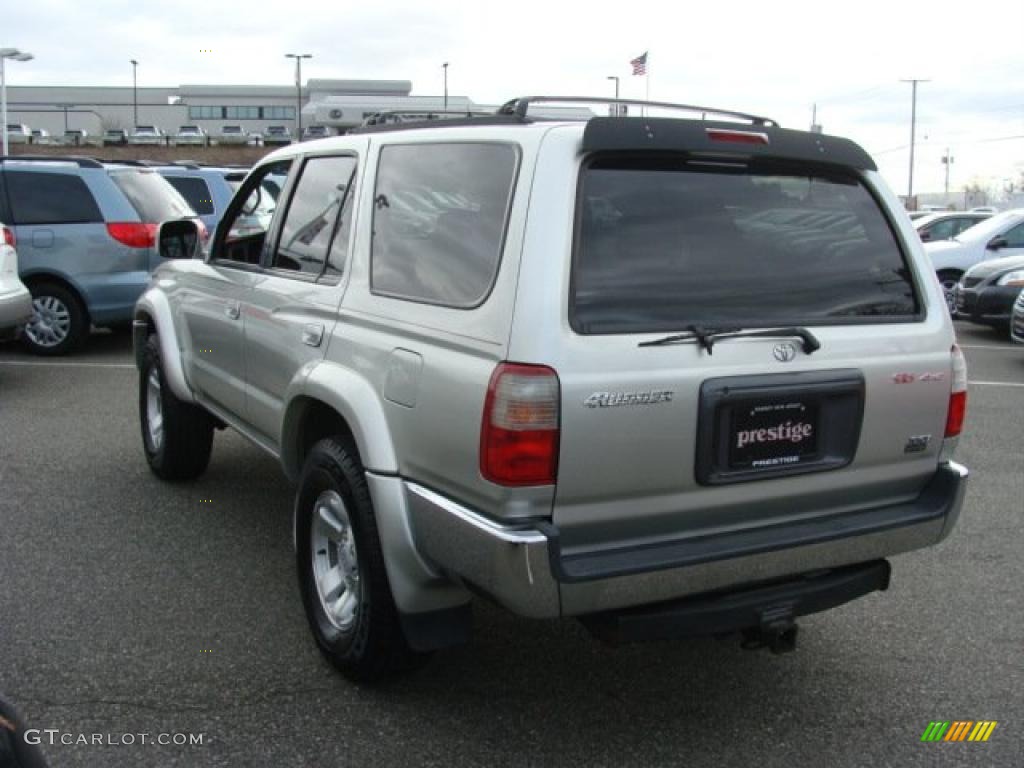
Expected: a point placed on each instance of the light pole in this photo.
(16, 55)
(616, 79)
(913, 123)
(616, 108)
(947, 160)
(445, 68)
(135, 94)
(65, 107)
(298, 88)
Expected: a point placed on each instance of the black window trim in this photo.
(268, 254)
(824, 169)
(237, 201)
(510, 204)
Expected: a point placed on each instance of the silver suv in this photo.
(668, 375)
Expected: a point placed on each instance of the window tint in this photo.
(195, 192)
(50, 198)
(665, 244)
(943, 230)
(151, 195)
(439, 220)
(1015, 237)
(245, 231)
(308, 227)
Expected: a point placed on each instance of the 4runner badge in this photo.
(612, 399)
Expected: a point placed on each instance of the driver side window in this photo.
(245, 228)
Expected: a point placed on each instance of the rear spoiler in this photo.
(705, 137)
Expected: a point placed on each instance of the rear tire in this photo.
(342, 576)
(59, 320)
(177, 437)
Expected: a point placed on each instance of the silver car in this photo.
(15, 299)
(666, 375)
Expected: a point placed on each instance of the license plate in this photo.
(773, 434)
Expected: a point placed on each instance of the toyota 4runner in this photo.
(668, 375)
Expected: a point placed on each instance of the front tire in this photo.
(342, 576)
(59, 321)
(176, 436)
(948, 278)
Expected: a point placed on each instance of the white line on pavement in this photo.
(996, 383)
(41, 364)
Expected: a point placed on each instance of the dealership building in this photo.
(341, 104)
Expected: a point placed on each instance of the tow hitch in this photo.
(776, 632)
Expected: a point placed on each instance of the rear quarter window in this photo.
(195, 191)
(152, 197)
(662, 244)
(50, 198)
(439, 218)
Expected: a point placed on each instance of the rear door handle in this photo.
(312, 334)
(233, 310)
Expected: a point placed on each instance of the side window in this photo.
(309, 225)
(439, 220)
(1015, 237)
(942, 230)
(243, 230)
(194, 191)
(50, 198)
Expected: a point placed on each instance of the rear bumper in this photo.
(524, 568)
(15, 309)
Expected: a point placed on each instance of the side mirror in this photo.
(925, 236)
(996, 243)
(178, 239)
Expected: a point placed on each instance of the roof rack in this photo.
(520, 106)
(399, 115)
(80, 160)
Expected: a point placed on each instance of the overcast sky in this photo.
(772, 58)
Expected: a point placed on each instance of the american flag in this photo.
(639, 64)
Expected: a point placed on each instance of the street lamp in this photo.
(298, 88)
(135, 93)
(616, 108)
(616, 79)
(66, 107)
(445, 68)
(16, 55)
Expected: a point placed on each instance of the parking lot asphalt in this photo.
(128, 606)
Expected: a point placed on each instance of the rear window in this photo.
(664, 244)
(195, 192)
(50, 198)
(151, 195)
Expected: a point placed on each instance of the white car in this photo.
(233, 134)
(15, 300)
(40, 136)
(18, 133)
(147, 135)
(190, 135)
(1001, 235)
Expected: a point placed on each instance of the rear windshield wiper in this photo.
(706, 337)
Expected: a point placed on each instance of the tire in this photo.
(342, 577)
(177, 437)
(59, 320)
(948, 278)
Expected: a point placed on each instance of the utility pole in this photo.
(135, 94)
(913, 125)
(947, 160)
(298, 89)
(445, 68)
(15, 55)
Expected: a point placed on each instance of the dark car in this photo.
(987, 291)
(947, 225)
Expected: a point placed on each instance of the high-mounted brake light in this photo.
(133, 234)
(9, 238)
(737, 137)
(958, 395)
(520, 429)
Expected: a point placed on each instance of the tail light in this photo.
(737, 137)
(9, 238)
(519, 433)
(133, 234)
(958, 395)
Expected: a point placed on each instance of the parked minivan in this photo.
(85, 234)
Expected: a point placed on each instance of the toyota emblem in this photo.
(784, 352)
